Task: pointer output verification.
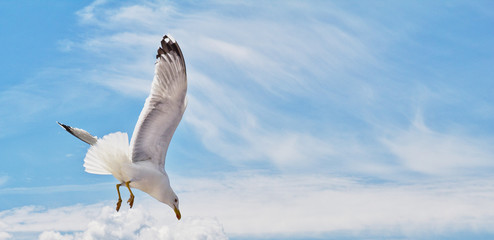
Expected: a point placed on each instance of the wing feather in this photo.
(164, 107)
(80, 133)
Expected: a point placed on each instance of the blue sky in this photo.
(306, 119)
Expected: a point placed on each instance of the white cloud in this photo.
(87, 13)
(53, 189)
(239, 82)
(229, 127)
(51, 235)
(5, 236)
(147, 220)
(38, 219)
(128, 85)
(426, 151)
(260, 205)
(143, 224)
(145, 15)
(261, 54)
(122, 45)
(254, 205)
(272, 53)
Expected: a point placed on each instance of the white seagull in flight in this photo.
(141, 164)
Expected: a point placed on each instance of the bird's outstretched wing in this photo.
(163, 108)
(80, 133)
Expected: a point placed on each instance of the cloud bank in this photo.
(258, 205)
(97, 221)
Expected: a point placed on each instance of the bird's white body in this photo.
(141, 163)
(111, 155)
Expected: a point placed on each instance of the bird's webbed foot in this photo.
(119, 202)
(131, 199)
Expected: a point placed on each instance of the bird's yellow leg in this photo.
(131, 199)
(119, 202)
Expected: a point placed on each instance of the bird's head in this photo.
(163, 192)
(170, 198)
(174, 204)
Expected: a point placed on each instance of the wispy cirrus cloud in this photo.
(229, 129)
(285, 90)
(429, 152)
(271, 63)
(143, 15)
(305, 91)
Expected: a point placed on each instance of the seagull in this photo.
(141, 163)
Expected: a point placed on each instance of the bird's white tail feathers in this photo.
(108, 154)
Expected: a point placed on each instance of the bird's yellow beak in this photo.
(177, 212)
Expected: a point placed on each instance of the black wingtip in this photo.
(169, 44)
(67, 128)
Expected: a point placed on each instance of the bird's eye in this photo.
(176, 200)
